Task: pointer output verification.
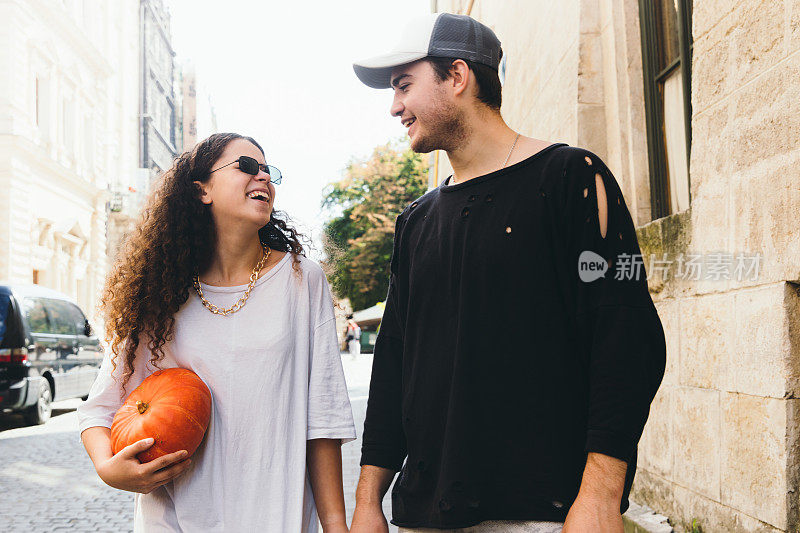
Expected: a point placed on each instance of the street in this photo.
(48, 483)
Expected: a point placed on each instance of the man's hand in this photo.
(593, 516)
(369, 519)
(596, 509)
(368, 516)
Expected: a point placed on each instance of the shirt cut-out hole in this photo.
(588, 160)
(602, 204)
(508, 230)
(585, 192)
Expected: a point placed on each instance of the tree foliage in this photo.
(366, 202)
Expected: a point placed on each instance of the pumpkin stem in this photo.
(141, 406)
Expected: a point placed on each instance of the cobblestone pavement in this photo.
(48, 483)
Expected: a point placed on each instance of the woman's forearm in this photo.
(324, 458)
(97, 441)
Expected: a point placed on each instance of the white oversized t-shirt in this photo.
(276, 380)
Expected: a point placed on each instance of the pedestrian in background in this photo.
(267, 349)
(353, 337)
(510, 385)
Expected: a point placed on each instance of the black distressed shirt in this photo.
(497, 368)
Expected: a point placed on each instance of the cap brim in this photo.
(376, 72)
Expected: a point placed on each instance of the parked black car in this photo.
(48, 351)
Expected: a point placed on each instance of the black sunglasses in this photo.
(251, 166)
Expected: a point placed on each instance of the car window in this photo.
(5, 314)
(60, 317)
(77, 318)
(36, 315)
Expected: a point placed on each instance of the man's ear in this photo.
(460, 72)
(202, 193)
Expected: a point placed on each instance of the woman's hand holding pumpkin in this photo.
(124, 471)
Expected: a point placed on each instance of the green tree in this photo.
(365, 204)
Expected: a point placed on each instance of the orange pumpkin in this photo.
(173, 406)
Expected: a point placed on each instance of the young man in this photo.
(513, 372)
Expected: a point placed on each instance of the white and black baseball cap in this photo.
(435, 35)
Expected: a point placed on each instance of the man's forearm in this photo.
(603, 478)
(373, 484)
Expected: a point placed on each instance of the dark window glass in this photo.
(667, 26)
(77, 318)
(36, 316)
(5, 313)
(60, 317)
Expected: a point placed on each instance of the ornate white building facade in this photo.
(69, 137)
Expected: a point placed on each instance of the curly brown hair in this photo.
(174, 239)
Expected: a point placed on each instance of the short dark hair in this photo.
(489, 88)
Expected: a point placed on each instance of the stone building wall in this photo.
(68, 129)
(722, 444)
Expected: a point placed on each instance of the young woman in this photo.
(213, 280)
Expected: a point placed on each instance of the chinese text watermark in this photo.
(716, 266)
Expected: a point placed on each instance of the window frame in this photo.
(654, 116)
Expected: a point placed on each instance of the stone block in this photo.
(705, 15)
(696, 440)
(655, 446)
(754, 473)
(590, 72)
(794, 26)
(763, 120)
(757, 38)
(711, 71)
(711, 232)
(707, 336)
(761, 362)
(768, 188)
(710, 157)
(669, 313)
(655, 491)
(712, 516)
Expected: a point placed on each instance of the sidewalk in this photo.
(357, 372)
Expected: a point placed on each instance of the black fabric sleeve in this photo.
(384, 441)
(616, 320)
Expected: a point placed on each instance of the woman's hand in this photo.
(124, 471)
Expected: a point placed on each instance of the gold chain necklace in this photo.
(238, 305)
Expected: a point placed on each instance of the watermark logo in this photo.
(716, 266)
(591, 266)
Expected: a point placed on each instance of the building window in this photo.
(666, 65)
(68, 126)
(42, 102)
(38, 104)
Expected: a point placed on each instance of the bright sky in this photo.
(282, 73)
